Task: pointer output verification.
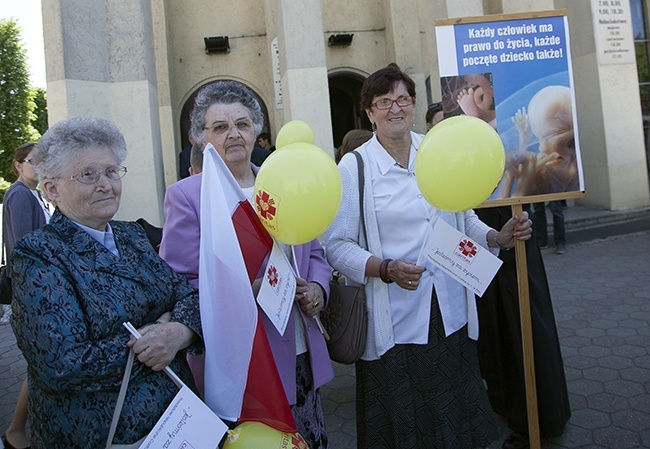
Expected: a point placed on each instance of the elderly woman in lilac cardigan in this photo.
(227, 115)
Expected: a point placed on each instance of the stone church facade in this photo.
(140, 62)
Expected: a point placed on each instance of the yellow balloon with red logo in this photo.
(298, 193)
(293, 132)
(459, 163)
(255, 435)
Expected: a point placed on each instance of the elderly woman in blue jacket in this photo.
(76, 280)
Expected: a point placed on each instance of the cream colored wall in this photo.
(609, 120)
(144, 88)
(100, 63)
(364, 19)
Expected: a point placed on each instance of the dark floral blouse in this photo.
(71, 296)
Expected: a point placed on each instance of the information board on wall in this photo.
(613, 31)
(514, 72)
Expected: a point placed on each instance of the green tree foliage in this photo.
(16, 105)
(40, 109)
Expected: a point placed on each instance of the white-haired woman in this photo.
(76, 280)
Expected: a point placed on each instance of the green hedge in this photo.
(4, 185)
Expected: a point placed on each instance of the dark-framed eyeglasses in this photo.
(92, 176)
(27, 160)
(386, 103)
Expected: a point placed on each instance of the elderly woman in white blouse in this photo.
(418, 383)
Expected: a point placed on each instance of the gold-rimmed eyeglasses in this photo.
(223, 128)
(92, 176)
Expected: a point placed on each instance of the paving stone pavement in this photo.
(601, 298)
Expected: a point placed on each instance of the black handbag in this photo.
(5, 286)
(345, 318)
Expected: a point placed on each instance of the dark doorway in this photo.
(345, 90)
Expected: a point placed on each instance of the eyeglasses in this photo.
(92, 176)
(221, 129)
(27, 160)
(404, 100)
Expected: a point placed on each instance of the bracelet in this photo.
(383, 271)
(496, 243)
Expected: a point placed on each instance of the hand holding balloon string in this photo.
(309, 305)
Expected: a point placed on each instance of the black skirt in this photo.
(500, 348)
(425, 396)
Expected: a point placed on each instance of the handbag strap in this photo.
(120, 398)
(361, 185)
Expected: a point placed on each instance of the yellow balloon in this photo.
(459, 163)
(255, 435)
(292, 132)
(297, 193)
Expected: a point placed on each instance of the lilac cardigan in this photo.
(180, 249)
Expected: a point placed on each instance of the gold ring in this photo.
(316, 303)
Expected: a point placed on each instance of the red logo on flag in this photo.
(296, 441)
(272, 276)
(265, 205)
(467, 248)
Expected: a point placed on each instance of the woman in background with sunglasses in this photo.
(23, 211)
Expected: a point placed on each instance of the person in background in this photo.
(196, 159)
(500, 348)
(259, 155)
(227, 115)
(264, 141)
(418, 382)
(352, 140)
(559, 229)
(23, 211)
(184, 160)
(434, 115)
(76, 280)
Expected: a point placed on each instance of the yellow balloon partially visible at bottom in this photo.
(255, 435)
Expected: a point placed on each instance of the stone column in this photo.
(514, 6)
(303, 67)
(442, 9)
(405, 47)
(609, 118)
(100, 62)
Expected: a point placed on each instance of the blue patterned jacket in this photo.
(71, 296)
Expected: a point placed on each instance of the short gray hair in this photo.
(223, 92)
(66, 140)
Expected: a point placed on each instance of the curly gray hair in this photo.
(65, 140)
(223, 92)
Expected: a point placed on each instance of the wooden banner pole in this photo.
(527, 338)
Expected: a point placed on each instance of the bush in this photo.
(4, 186)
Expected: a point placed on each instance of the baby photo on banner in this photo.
(514, 72)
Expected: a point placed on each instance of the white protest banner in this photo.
(186, 424)
(278, 289)
(461, 257)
